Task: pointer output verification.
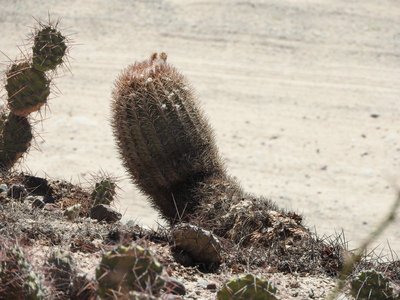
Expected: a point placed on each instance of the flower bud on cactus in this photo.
(371, 285)
(27, 88)
(247, 287)
(128, 269)
(49, 47)
(164, 139)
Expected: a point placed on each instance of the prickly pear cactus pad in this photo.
(247, 287)
(27, 88)
(128, 268)
(15, 138)
(49, 48)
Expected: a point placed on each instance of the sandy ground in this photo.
(303, 96)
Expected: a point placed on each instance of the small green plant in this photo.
(128, 268)
(247, 287)
(371, 284)
(104, 190)
(17, 278)
(61, 270)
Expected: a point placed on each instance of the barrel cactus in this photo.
(128, 268)
(247, 287)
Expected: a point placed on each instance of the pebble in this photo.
(37, 202)
(3, 188)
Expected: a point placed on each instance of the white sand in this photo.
(288, 85)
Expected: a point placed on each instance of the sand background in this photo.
(303, 96)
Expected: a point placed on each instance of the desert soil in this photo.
(303, 96)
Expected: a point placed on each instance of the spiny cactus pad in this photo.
(27, 88)
(104, 191)
(164, 139)
(371, 284)
(128, 268)
(61, 267)
(247, 287)
(17, 279)
(49, 48)
(15, 138)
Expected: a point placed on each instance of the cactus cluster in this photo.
(247, 287)
(128, 268)
(371, 284)
(61, 270)
(28, 87)
(17, 279)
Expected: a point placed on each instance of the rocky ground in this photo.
(35, 215)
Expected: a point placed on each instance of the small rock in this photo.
(72, 212)
(17, 191)
(211, 286)
(200, 244)
(374, 116)
(49, 199)
(3, 188)
(38, 202)
(106, 213)
(174, 286)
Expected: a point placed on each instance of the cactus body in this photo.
(163, 137)
(27, 89)
(15, 139)
(104, 191)
(49, 48)
(247, 287)
(128, 269)
(17, 279)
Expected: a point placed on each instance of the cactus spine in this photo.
(163, 137)
(28, 87)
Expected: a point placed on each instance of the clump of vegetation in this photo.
(128, 268)
(247, 287)
(17, 278)
(105, 189)
(371, 284)
(61, 270)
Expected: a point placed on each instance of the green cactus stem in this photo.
(49, 47)
(104, 191)
(15, 139)
(27, 88)
(371, 284)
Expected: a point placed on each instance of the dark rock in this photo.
(211, 286)
(17, 191)
(106, 213)
(200, 244)
(37, 185)
(38, 202)
(174, 286)
(49, 199)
